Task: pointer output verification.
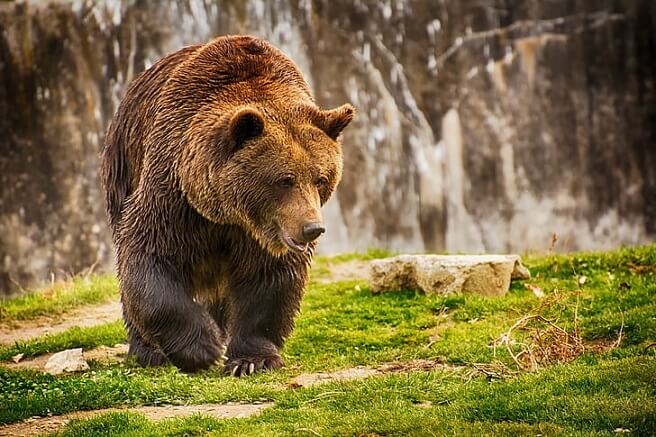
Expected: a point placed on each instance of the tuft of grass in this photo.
(59, 298)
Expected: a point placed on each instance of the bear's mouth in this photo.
(291, 243)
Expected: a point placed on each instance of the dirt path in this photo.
(84, 317)
(42, 425)
(346, 271)
(361, 372)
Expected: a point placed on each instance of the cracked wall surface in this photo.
(483, 126)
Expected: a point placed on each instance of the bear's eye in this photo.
(321, 181)
(286, 182)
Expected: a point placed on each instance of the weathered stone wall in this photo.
(483, 125)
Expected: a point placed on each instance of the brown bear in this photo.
(215, 167)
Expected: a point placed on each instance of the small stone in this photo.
(16, 358)
(537, 291)
(487, 275)
(70, 360)
(425, 404)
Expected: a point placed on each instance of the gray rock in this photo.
(70, 360)
(487, 275)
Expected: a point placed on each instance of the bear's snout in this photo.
(303, 236)
(311, 231)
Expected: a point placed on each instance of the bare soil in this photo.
(84, 317)
(360, 372)
(42, 425)
(346, 271)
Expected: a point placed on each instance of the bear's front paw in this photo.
(147, 356)
(200, 354)
(244, 366)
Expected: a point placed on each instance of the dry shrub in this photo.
(535, 341)
(543, 343)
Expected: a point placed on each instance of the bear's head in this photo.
(269, 169)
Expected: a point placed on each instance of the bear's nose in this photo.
(311, 231)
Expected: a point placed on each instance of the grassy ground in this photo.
(579, 361)
(59, 299)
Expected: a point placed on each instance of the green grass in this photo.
(59, 299)
(343, 325)
(107, 334)
(568, 399)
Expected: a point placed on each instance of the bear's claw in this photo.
(247, 366)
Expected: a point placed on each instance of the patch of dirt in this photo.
(103, 354)
(361, 372)
(417, 366)
(106, 354)
(310, 379)
(346, 271)
(425, 404)
(85, 317)
(41, 425)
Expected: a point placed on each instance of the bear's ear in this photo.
(245, 123)
(333, 121)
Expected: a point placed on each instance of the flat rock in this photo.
(310, 379)
(487, 275)
(70, 360)
(361, 372)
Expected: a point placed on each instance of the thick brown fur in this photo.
(214, 165)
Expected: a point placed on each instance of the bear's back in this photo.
(231, 71)
(123, 151)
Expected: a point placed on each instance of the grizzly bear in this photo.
(215, 167)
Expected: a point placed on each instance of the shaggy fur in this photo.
(214, 164)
